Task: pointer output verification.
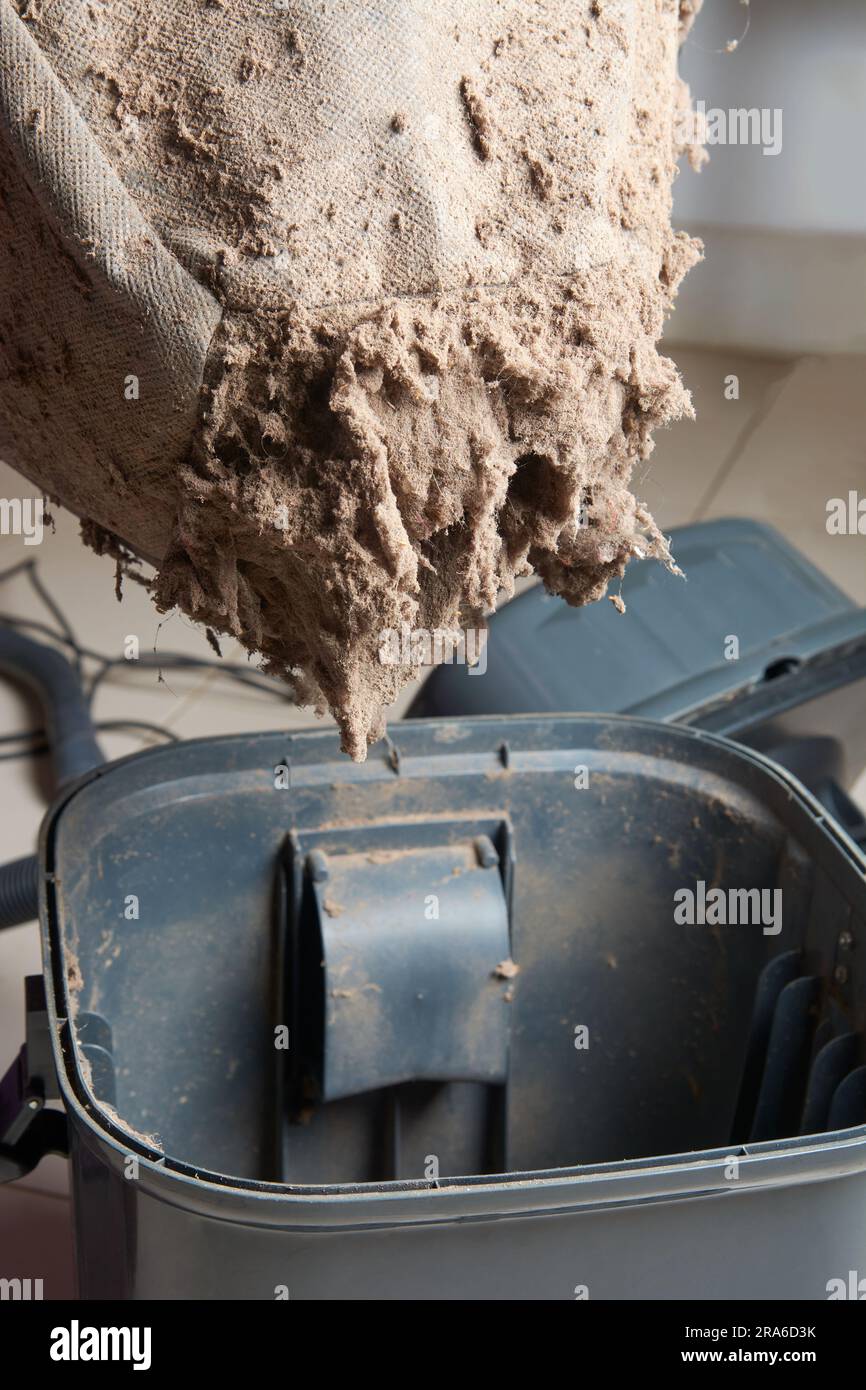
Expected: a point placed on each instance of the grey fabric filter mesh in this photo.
(390, 276)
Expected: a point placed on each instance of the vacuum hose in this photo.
(70, 734)
(19, 891)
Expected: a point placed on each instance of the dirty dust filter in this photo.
(342, 316)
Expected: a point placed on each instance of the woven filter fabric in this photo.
(342, 314)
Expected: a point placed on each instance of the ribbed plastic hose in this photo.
(19, 891)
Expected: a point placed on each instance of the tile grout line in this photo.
(751, 426)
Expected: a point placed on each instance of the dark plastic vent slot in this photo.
(778, 973)
(849, 1103)
(800, 1075)
(829, 1070)
(780, 1102)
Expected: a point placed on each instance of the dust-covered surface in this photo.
(437, 239)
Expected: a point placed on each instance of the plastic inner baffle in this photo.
(397, 945)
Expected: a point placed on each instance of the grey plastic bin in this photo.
(704, 1137)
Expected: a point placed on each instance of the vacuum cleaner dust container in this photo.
(524, 1007)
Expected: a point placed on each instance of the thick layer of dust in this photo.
(360, 471)
(440, 239)
(403, 463)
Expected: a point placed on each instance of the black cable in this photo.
(37, 746)
(57, 612)
(255, 680)
(269, 685)
(34, 625)
(34, 740)
(67, 702)
(28, 567)
(38, 751)
(120, 725)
